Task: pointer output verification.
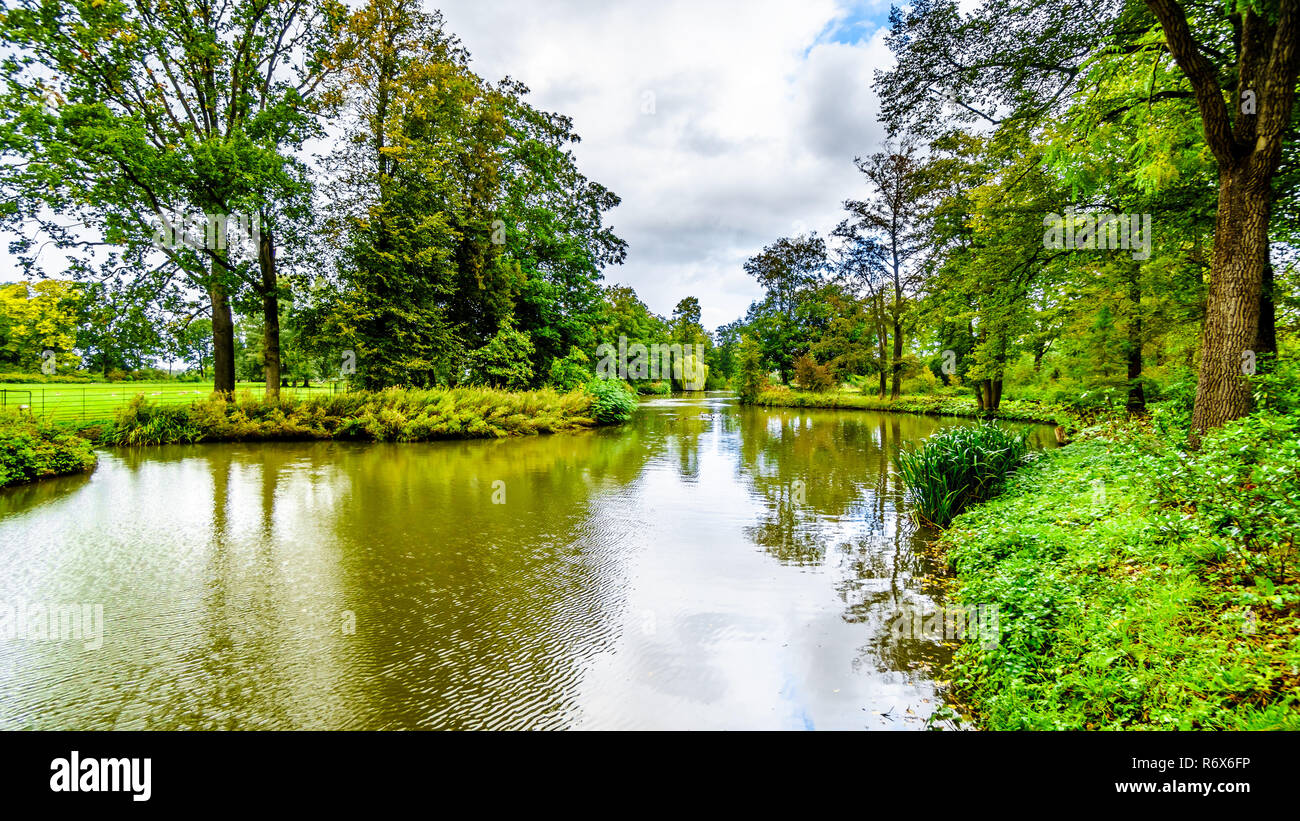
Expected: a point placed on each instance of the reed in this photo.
(959, 466)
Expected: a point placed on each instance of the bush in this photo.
(41, 378)
(941, 405)
(613, 402)
(811, 376)
(960, 466)
(384, 416)
(659, 387)
(571, 372)
(144, 423)
(31, 449)
(504, 362)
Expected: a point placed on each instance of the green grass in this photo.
(100, 401)
(1139, 584)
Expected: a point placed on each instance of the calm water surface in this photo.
(705, 566)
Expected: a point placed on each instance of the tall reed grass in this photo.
(959, 466)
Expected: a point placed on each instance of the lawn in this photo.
(95, 401)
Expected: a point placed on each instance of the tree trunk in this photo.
(223, 338)
(270, 313)
(996, 394)
(895, 389)
(1266, 336)
(1137, 402)
(882, 339)
(1248, 149)
(1232, 306)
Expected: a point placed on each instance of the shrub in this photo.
(613, 401)
(505, 361)
(388, 415)
(31, 449)
(53, 378)
(659, 387)
(960, 466)
(751, 379)
(571, 372)
(811, 376)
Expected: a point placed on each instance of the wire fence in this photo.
(101, 401)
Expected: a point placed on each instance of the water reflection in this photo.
(705, 566)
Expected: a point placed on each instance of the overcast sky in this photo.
(723, 124)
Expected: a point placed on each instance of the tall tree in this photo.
(894, 213)
(123, 115)
(1245, 131)
(787, 269)
(1012, 62)
(459, 212)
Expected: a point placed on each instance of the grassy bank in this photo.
(1139, 584)
(1020, 411)
(81, 400)
(384, 416)
(31, 449)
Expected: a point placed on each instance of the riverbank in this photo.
(1139, 585)
(382, 416)
(1010, 410)
(31, 449)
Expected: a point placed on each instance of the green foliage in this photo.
(31, 449)
(930, 405)
(460, 208)
(392, 415)
(571, 372)
(1139, 585)
(789, 270)
(612, 401)
(751, 376)
(960, 466)
(505, 362)
(811, 376)
(41, 378)
(659, 387)
(36, 317)
(121, 155)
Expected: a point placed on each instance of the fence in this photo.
(101, 401)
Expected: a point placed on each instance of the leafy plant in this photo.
(959, 466)
(813, 377)
(613, 401)
(31, 449)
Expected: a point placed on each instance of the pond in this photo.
(704, 566)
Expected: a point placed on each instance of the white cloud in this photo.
(758, 110)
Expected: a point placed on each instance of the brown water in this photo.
(704, 566)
